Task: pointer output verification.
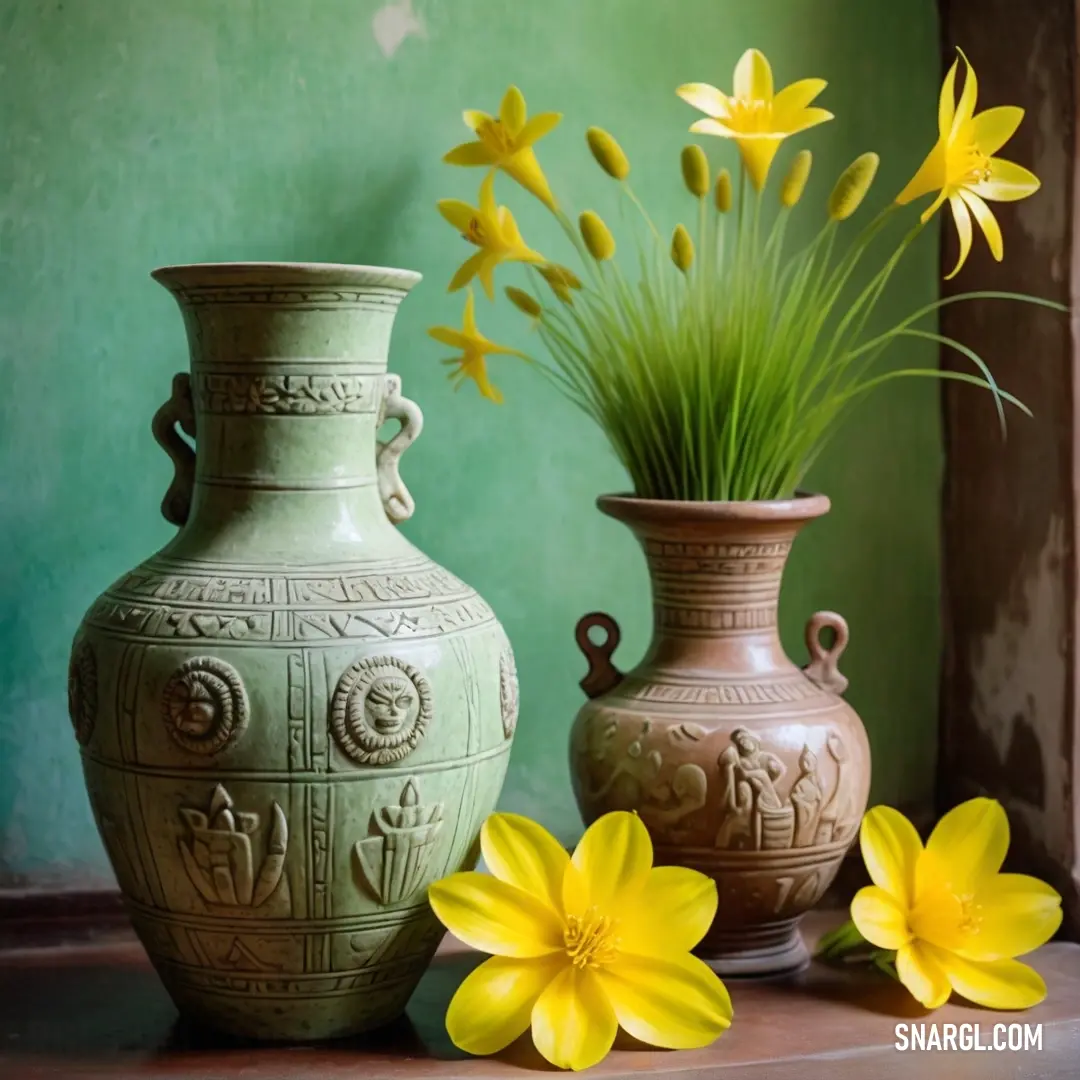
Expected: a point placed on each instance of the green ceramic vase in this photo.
(291, 720)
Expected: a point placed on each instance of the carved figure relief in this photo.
(509, 693)
(395, 860)
(381, 710)
(205, 705)
(82, 691)
(218, 858)
(757, 818)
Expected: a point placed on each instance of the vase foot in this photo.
(755, 952)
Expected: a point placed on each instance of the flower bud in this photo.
(597, 236)
(682, 249)
(608, 153)
(795, 182)
(523, 301)
(851, 188)
(722, 191)
(561, 279)
(695, 170)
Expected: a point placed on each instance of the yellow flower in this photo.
(506, 142)
(962, 168)
(756, 118)
(493, 230)
(955, 922)
(561, 279)
(581, 945)
(472, 364)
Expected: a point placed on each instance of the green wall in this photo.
(140, 132)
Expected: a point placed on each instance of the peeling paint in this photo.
(392, 24)
(1020, 675)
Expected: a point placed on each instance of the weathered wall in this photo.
(138, 132)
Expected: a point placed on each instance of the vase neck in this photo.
(716, 573)
(288, 387)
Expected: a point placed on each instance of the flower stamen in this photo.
(590, 939)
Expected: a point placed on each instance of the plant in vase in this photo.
(718, 372)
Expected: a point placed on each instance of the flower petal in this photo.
(677, 1002)
(538, 127)
(932, 871)
(525, 169)
(474, 118)
(671, 914)
(449, 336)
(753, 77)
(470, 153)
(713, 127)
(1008, 182)
(968, 845)
(930, 177)
(993, 128)
(467, 271)
(890, 848)
(487, 196)
(808, 118)
(791, 101)
(573, 1023)
(523, 853)
(995, 984)
(707, 98)
(987, 222)
(965, 108)
(468, 318)
(880, 918)
(920, 970)
(495, 917)
(458, 213)
(512, 110)
(1016, 914)
(494, 1004)
(612, 860)
(947, 103)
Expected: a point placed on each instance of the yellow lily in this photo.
(581, 945)
(506, 142)
(961, 167)
(493, 230)
(756, 118)
(955, 922)
(472, 364)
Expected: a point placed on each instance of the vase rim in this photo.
(214, 274)
(804, 506)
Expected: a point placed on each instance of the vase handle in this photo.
(823, 669)
(178, 410)
(396, 500)
(603, 675)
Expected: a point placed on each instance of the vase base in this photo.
(760, 952)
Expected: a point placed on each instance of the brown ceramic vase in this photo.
(741, 764)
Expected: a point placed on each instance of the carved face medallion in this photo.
(381, 710)
(204, 705)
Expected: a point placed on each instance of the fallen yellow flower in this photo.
(581, 945)
(955, 922)
(756, 118)
(475, 348)
(506, 142)
(961, 167)
(493, 230)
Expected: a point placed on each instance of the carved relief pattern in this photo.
(368, 298)
(292, 395)
(509, 691)
(217, 855)
(381, 710)
(205, 705)
(82, 691)
(394, 862)
(797, 689)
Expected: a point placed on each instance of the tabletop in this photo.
(96, 1009)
